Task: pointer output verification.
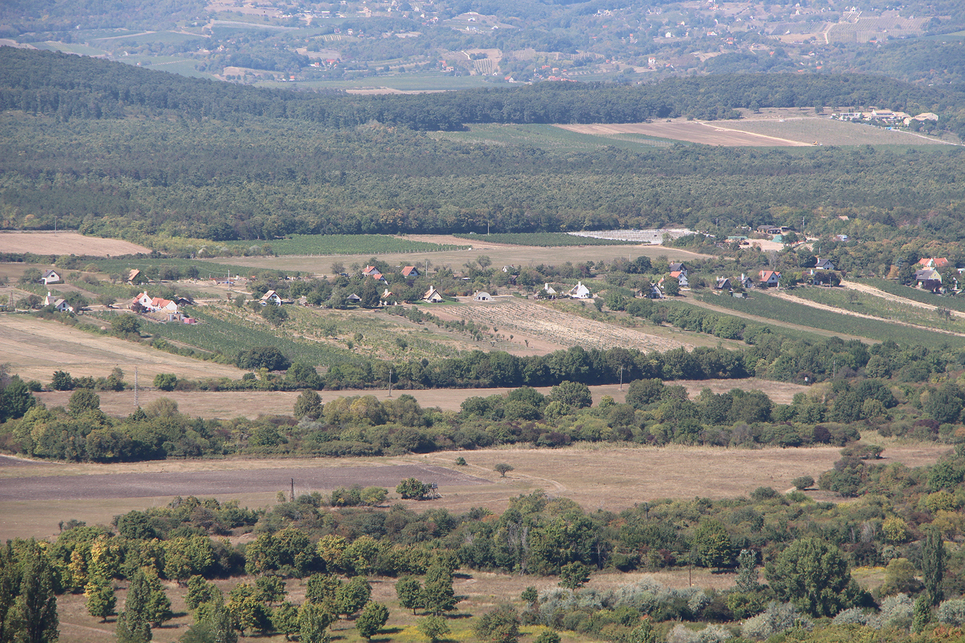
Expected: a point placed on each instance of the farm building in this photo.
(153, 304)
(482, 295)
(51, 277)
(432, 296)
(928, 279)
(769, 278)
(270, 297)
(59, 303)
(579, 291)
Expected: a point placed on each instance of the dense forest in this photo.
(78, 87)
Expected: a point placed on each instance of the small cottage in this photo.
(482, 295)
(432, 296)
(769, 278)
(410, 272)
(579, 291)
(51, 277)
(270, 297)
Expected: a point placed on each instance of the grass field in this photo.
(547, 239)
(783, 311)
(347, 244)
(884, 308)
(914, 294)
(796, 131)
(550, 137)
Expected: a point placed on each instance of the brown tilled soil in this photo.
(691, 131)
(217, 483)
(67, 243)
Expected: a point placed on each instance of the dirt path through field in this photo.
(841, 311)
(772, 322)
(875, 292)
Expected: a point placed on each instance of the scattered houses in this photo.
(933, 262)
(51, 277)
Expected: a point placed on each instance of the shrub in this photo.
(803, 482)
(951, 612)
(775, 619)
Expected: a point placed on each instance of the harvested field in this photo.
(67, 243)
(251, 404)
(217, 483)
(800, 131)
(515, 315)
(35, 348)
(595, 476)
(500, 254)
(690, 131)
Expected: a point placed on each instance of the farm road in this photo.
(209, 483)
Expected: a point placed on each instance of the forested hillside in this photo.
(184, 157)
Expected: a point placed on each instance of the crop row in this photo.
(347, 244)
(545, 239)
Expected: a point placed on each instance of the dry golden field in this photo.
(66, 243)
(35, 348)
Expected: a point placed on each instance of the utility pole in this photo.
(291, 496)
(390, 382)
(136, 405)
(621, 377)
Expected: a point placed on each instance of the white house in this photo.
(51, 277)
(550, 291)
(432, 295)
(155, 304)
(579, 291)
(270, 297)
(824, 264)
(59, 303)
(482, 295)
(681, 277)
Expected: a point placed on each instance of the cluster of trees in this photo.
(805, 550)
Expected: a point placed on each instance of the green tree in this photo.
(32, 617)
(671, 286)
(301, 374)
(712, 545)
(643, 393)
(134, 621)
(499, 626)
(284, 619)
(643, 633)
(434, 628)
(547, 636)
(352, 596)
(933, 558)
(246, 610)
(322, 590)
(747, 571)
(373, 618)
(308, 405)
(216, 619)
(15, 399)
(200, 591)
(438, 592)
(574, 394)
(274, 315)
(269, 589)
(409, 592)
(165, 381)
(574, 575)
(814, 576)
(412, 488)
(83, 400)
(101, 599)
(502, 468)
(126, 324)
(313, 620)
